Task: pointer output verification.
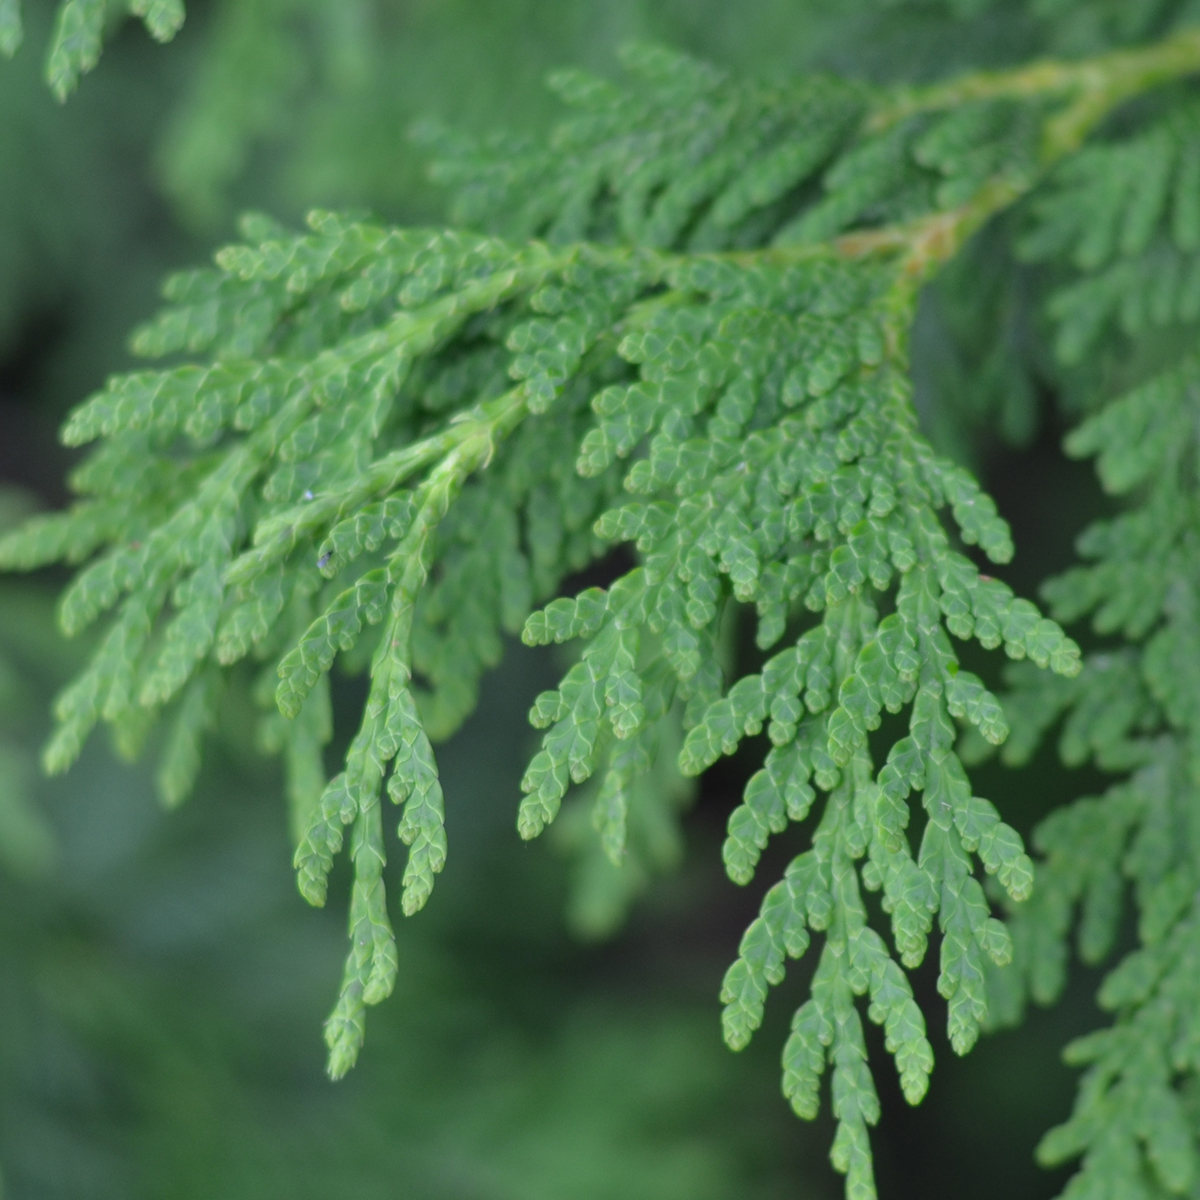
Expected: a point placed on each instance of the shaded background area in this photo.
(162, 984)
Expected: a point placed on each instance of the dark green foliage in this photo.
(692, 159)
(1127, 215)
(781, 467)
(1133, 710)
(1120, 216)
(163, 991)
(689, 157)
(683, 327)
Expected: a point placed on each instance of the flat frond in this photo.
(687, 335)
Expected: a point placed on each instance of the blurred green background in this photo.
(162, 985)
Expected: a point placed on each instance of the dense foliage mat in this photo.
(683, 326)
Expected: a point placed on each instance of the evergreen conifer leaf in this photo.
(181, 759)
(12, 31)
(79, 30)
(163, 18)
(1128, 711)
(790, 487)
(75, 49)
(686, 153)
(1124, 217)
(689, 337)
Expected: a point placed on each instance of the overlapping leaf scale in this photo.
(315, 484)
(301, 742)
(79, 29)
(623, 828)
(1130, 710)
(70, 537)
(1125, 216)
(683, 154)
(505, 545)
(822, 888)
(336, 629)
(1132, 1122)
(776, 462)
(601, 697)
(1130, 1119)
(919, 162)
(310, 422)
(390, 735)
(195, 716)
(489, 560)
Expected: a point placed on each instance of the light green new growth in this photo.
(690, 337)
(79, 30)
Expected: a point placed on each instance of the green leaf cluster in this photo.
(685, 333)
(1126, 215)
(1132, 710)
(79, 30)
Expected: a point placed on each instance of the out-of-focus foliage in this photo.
(1126, 210)
(162, 992)
(282, 103)
(79, 29)
(27, 844)
(126, 1067)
